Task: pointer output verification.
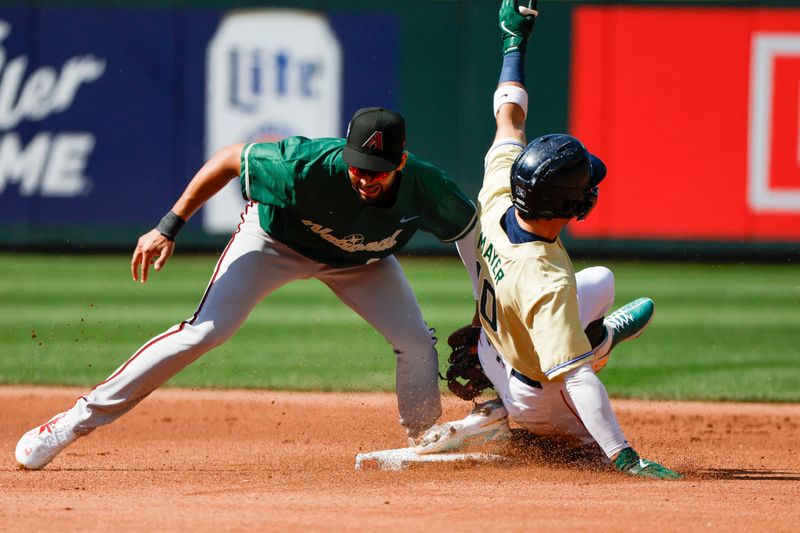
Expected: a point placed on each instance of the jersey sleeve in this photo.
(497, 171)
(265, 177)
(447, 212)
(558, 337)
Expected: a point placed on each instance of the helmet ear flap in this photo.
(598, 170)
(588, 204)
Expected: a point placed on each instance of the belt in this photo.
(522, 377)
(526, 380)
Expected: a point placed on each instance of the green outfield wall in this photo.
(438, 65)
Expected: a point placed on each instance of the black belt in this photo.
(526, 380)
(522, 377)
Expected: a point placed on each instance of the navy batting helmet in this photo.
(556, 177)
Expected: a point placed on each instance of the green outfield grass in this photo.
(721, 332)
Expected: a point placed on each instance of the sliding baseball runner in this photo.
(543, 333)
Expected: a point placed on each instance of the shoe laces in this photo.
(619, 319)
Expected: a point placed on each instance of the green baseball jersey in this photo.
(529, 298)
(305, 200)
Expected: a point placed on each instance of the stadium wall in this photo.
(108, 108)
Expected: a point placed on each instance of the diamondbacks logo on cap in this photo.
(375, 141)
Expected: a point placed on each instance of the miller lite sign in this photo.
(271, 74)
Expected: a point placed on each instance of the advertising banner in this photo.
(106, 114)
(696, 112)
(87, 122)
(271, 74)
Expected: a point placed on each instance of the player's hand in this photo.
(516, 20)
(628, 461)
(152, 248)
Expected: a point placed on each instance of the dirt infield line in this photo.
(237, 460)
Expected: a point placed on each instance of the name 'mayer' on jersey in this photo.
(491, 257)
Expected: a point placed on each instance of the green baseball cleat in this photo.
(630, 320)
(629, 462)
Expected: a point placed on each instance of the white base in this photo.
(404, 457)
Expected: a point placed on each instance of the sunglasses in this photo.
(368, 175)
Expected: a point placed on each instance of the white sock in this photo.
(591, 401)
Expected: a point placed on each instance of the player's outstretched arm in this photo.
(156, 246)
(516, 19)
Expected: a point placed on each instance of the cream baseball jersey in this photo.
(527, 292)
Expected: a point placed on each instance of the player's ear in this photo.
(402, 162)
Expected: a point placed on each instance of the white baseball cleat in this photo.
(487, 422)
(40, 445)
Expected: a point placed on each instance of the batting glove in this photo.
(628, 461)
(516, 24)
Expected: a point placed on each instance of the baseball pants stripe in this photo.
(251, 267)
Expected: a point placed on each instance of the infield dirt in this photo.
(189, 460)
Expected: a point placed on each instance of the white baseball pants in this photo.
(251, 267)
(549, 410)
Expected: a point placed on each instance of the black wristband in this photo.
(170, 225)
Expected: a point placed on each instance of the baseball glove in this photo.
(465, 377)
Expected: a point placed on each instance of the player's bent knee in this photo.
(599, 281)
(599, 275)
(415, 345)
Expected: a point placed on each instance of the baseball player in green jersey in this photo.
(544, 336)
(332, 209)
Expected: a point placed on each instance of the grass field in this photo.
(721, 332)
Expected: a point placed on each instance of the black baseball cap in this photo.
(375, 140)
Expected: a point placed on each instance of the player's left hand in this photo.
(153, 248)
(516, 20)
